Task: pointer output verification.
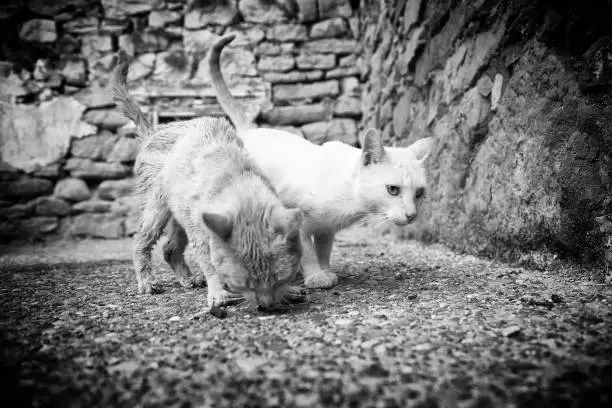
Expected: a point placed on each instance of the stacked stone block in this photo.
(67, 156)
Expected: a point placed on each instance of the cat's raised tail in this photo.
(224, 96)
(123, 100)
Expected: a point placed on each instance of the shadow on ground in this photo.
(408, 325)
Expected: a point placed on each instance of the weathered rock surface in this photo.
(97, 225)
(37, 136)
(315, 90)
(287, 32)
(315, 61)
(334, 27)
(92, 206)
(89, 169)
(521, 158)
(72, 189)
(51, 206)
(297, 115)
(262, 11)
(38, 30)
(24, 188)
(221, 13)
(343, 130)
(105, 118)
(125, 150)
(112, 189)
(97, 147)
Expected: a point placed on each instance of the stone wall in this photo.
(66, 155)
(517, 95)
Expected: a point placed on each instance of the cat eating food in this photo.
(196, 177)
(334, 184)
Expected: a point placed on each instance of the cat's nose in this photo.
(265, 300)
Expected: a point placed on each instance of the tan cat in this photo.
(196, 175)
(335, 185)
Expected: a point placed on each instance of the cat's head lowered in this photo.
(391, 182)
(256, 253)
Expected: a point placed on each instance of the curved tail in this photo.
(125, 104)
(224, 96)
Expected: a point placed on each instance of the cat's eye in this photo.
(420, 192)
(393, 190)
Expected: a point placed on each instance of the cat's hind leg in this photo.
(323, 245)
(314, 276)
(174, 255)
(154, 217)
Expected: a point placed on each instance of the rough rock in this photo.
(342, 72)
(92, 206)
(334, 27)
(282, 63)
(89, 169)
(334, 8)
(220, 13)
(315, 61)
(119, 9)
(350, 86)
(98, 43)
(72, 189)
(126, 43)
(199, 41)
(287, 32)
(247, 36)
(96, 147)
(75, 72)
(95, 96)
(97, 225)
(51, 206)
(126, 205)
(18, 210)
(105, 118)
(125, 150)
(112, 189)
(235, 63)
(83, 25)
(111, 26)
(53, 8)
(331, 45)
(171, 67)
(141, 67)
(162, 18)
(297, 115)
(24, 188)
(38, 30)
(344, 130)
(315, 90)
(33, 137)
(262, 11)
(347, 106)
(37, 225)
(293, 76)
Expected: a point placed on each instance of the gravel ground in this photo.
(408, 325)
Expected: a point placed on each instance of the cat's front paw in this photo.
(222, 297)
(149, 288)
(321, 280)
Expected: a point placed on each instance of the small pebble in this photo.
(511, 331)
(556, 298)
(218, 312)
(412, 296)
(399, 276)
(335, 292)
(174, 319)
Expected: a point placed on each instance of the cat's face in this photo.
(260, 261)
(392, 182)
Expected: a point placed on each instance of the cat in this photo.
(334, 184)
(196, 177)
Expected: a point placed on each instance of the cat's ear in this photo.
(372, 151)
(421, 148)
(286, 221)
(219, 224)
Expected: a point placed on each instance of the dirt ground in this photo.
(408, 325)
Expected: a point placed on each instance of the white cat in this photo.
(334, 184)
